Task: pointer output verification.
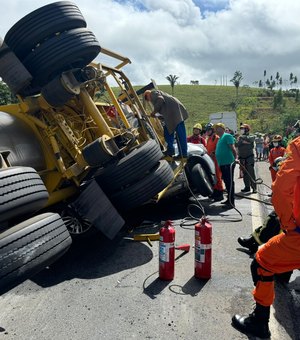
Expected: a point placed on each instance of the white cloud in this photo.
(163, 37)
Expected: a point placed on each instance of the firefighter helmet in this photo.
(209, 126)
(245, 126)
(277, 162)
(277, 138)
(197, 126)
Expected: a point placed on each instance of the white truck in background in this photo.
(228, 118)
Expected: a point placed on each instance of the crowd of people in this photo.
(276, 244)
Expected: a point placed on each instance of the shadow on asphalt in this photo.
(95, 258)
(192, 287)
(98, 256)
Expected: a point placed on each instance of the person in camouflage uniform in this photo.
(245, 147)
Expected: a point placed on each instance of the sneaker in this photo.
(254, 191)
(246, 189)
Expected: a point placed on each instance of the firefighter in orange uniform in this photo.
(277, 151)
(211, 142)
(281, 253)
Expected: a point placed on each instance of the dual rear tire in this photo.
(27, 244)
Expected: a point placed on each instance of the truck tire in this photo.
(145, 189)
(130, 168)
(200, 180)
(75, 48)
(41, 24)
(12, 71)
(30, 246)
(22, 192)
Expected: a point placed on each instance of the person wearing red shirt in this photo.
(196, 137)
(277, 151)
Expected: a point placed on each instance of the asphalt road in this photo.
(103, 289)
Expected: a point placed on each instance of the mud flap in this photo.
(94, 205)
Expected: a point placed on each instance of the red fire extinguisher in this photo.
(203, 249)
(167, 251)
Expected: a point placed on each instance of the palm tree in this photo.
(172, 79)
(236, 80)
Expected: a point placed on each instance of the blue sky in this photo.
(211, 5)
(204, 40)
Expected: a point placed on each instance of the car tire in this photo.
(200, 180)
(41, 24)
(130, 168)
(30, 246)
(22, 192)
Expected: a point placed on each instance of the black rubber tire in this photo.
(145, 189)
(130, 168)
(30, 246)
(207, 164)
(201, 180)
(95, 154)
(55, 93)
(41, 24)
(12, 71)
(22, 192)
(75, 48)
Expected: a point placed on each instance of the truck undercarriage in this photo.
(79, 149)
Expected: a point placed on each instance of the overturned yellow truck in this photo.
(78, 150)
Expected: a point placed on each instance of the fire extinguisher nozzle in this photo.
(184, 247)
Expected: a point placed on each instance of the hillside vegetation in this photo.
(254, 106)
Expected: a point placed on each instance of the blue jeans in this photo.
(181, 140)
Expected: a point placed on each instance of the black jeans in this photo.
(228, 178)
(248, 171)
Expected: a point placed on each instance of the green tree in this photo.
(270, 83)
(278, 101)
(236, 80)
(291, 79)
(172, 80)
(6, 97)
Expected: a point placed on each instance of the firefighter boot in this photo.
(249, 243)
(257, 323)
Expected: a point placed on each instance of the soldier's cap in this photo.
(221, 125)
